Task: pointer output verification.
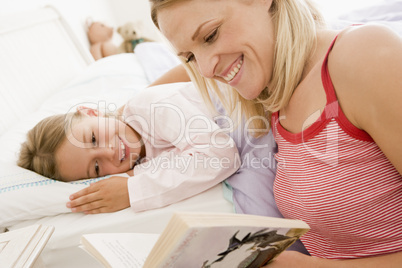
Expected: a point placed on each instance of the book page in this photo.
(3, 245)
(21, 247)
(14, 244)
(119, 249)
(35, 247)
(222, 247)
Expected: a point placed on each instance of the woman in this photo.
(333, 98)
(165, 139)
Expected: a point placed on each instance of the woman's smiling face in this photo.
(97, 146)
(228, 40)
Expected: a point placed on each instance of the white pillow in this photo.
(389, 10)
(156, 59)
(26, 195)
(388, 13)
(111, 80)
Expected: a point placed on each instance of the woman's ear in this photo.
(86, 111)
(267, 3)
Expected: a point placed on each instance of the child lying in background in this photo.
(164, 138)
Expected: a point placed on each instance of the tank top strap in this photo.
(333, 109)
(326, 78)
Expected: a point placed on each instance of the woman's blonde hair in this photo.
(37, 153)
(296, 23)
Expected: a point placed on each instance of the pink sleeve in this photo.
(198, 155)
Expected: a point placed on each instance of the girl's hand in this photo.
(107, 195)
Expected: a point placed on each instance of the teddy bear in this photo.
(100, 38)
(130, 32)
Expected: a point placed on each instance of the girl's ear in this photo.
(86, 111)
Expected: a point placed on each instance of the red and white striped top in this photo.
(334, 176)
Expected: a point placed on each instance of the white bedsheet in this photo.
(62, 250)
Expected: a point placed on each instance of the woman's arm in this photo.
(176, 74)
(295, 259)
(366, 71)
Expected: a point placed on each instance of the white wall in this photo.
(118, 12)
(112, 12)
(74, 11)
(333, 8)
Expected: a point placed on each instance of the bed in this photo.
(54, 75)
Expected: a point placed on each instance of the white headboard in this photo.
(38, 54)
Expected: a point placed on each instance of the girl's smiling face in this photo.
(228, 40)
(97, 146)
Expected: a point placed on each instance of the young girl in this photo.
(164, 138)
(333, 98)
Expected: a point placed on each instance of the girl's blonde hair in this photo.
(37, 153)
(296, 23)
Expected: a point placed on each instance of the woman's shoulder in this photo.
(360, 45)
(362, 63)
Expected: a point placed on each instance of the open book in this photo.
(205, 240)
(21, 247)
